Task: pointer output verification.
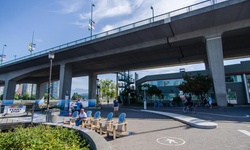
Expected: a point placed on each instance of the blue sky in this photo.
(56, 22)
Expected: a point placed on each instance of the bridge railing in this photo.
(123, 28)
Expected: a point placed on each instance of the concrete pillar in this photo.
(40, 90)
(9, 90)
(216, 65)
(65, 81)
(92, 86)
(117, 84)
(246, 87)
(206, 64)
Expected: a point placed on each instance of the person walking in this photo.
(210, 100)
(116, 106)
(78, 105)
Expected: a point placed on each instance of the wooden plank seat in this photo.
(104, 124)
(71, 120)
(118, 128)
(88, 119)
(94, 121)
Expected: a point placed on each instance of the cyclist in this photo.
(189, 101)
(189, 105)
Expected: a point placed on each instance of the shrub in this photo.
(42, 137)
(177, 101)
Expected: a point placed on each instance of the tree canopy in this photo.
(196, 84)
(152, 90)
(107, 88)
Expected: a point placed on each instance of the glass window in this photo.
(234, 78)
(169, 96)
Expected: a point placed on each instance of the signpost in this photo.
(144, 97)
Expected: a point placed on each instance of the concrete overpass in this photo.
(205, 32)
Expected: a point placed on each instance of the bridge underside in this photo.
(149, 46)
(235, 44)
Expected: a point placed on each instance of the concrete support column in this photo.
(117, 84)
(9, 90)
(216, 65)
(40, 90)
(206, 64)
(65, 81)
(246, 87)
(92, 86)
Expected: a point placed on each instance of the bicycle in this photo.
(189, 108)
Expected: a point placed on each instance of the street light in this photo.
(32, 45)
(3, 53)
(152, 8)
(51, 56)
(91, 20)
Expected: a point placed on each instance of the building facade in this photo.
(237, 79)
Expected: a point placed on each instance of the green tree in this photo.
(26, 96)
(45, 95)
(152, 90)
(76, 96)
(196, 84)
(16, 97)
(33, 97)
(107, 88)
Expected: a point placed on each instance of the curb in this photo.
(95, 141)
(195, 122)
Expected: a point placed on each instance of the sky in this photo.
(56, 22)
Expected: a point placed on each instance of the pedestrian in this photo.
(81, 117)
(78, 105)
(210, 100)
(116, 106)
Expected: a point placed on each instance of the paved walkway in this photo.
(136, 114)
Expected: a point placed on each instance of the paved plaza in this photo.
(158, 129)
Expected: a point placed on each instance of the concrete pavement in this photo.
(136, 115)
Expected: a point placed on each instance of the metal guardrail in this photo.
(122, 28)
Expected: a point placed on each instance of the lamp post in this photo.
(152, 8)
(91, 20)
(3, 53)
(97, 90)
(144, 89)
(32, 45)
(97, 87)
(51, 56)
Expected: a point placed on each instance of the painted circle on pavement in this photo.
(170, 141)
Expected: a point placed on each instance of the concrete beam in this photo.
(209, 32)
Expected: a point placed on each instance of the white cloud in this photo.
(137, 10)
(80, 24)
(69, 6)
